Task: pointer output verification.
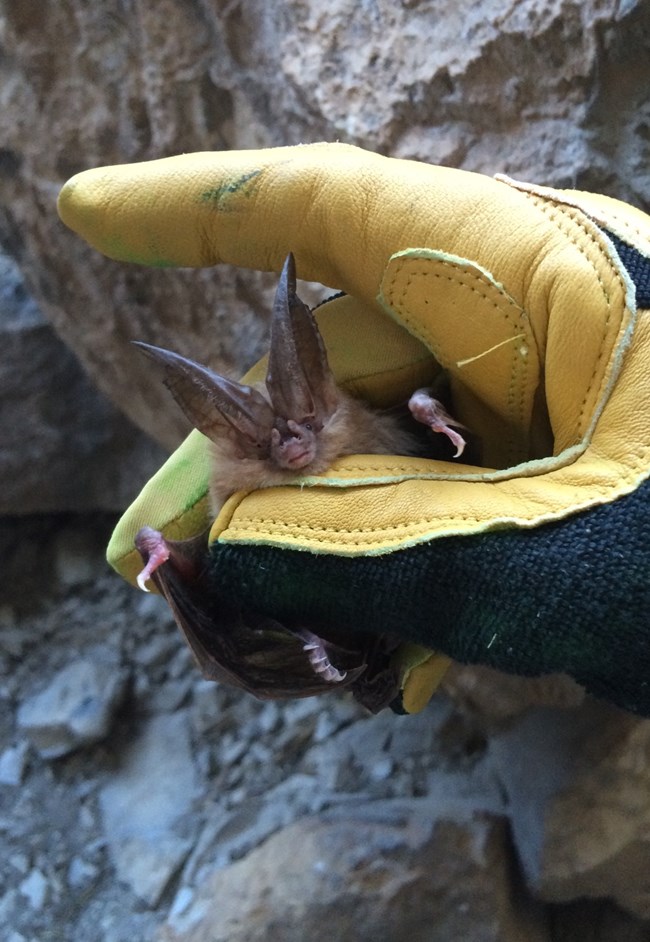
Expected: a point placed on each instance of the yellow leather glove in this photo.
(533, 300)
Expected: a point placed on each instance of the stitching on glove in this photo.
(566, 218)
(626, 226)
(602, 215)
(412, 527)
(386, 468)
(252, 524)
(628, 475)
(565, 212)
(418, 328)
(415, 529)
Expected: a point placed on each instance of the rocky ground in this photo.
(141, 802)
(126, 780)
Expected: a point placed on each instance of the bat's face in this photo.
(294, 445)
(282, 427)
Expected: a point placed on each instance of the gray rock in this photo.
(63, 446)
(34, 887)
(19, 862)
(76, 558)
(145, 804)
(160, 647)
(76, 708)
(170, 695)
(81, 873)
(13, 761)
(9, 902)
(181, 903)
(207, 709)
(232, 834)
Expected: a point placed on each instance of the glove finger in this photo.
(343, 212)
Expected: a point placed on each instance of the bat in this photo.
(296, 423)
(256, 653)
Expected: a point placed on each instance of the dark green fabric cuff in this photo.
(572, 596)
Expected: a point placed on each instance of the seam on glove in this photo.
(568, 218)
(557, 212)
(458, 276)
(254, 522)
(560, 215)
(263, 529)
(600, 209)
(634, 235)
(455, 266)
(292, 535)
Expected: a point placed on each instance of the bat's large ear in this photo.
(299, 380)
(213, 403)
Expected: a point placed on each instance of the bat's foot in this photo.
(153, 547)
(431, 412)
(318, 658)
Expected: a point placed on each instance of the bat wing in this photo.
(213, 403)
(299, 379)
(258, 655)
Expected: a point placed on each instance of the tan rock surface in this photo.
(552, 92)
(577, 785)
(598, 828)
(405, 878)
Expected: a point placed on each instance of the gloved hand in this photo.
(533, 300)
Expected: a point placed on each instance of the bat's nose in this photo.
(295, 453)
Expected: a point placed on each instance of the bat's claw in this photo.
(431, 412)
(319, 660)
(454, 437)
(153, 547)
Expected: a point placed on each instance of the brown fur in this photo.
(354, 428)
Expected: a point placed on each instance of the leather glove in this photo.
(535, 303)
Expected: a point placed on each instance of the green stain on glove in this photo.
(219, 196)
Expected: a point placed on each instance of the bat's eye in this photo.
(308, 426)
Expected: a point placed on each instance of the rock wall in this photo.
(553, 92)
(64, 446)
(140, 800)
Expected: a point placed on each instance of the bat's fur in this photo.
(354, 428)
